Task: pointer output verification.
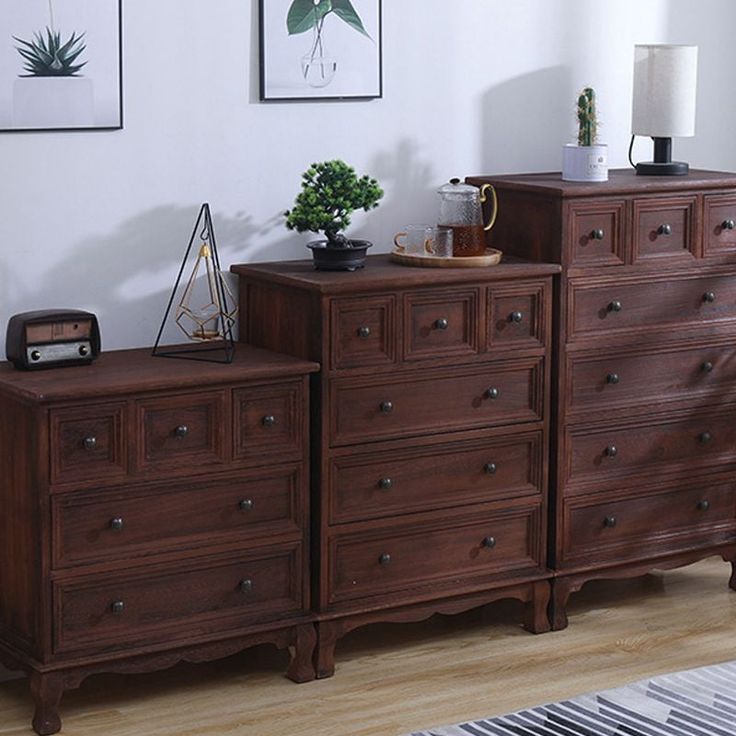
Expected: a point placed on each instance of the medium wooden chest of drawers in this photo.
(430, 427)
(644, 393)
(151, 511)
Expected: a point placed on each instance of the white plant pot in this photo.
(585, 163)
(53, 102)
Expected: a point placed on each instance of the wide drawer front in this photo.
(608, 380)
(117, 610)
(680, 447)
(650, 305)
(95, 526)
(499, 393)
(388, 483)
(622, 527)
(436, 555)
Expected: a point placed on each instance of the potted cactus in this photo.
(331, 192)
(587, 160)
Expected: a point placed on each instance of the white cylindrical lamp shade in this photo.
(665, 81)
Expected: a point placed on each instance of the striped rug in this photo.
(699, 702)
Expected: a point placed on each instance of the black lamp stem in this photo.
(663, 165)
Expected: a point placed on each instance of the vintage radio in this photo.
(52, 337)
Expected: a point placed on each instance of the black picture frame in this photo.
(273, 45)
(107, 108)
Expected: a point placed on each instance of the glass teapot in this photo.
(461, 210)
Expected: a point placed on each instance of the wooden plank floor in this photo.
(396, 678)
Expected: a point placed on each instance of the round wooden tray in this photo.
(491, 258)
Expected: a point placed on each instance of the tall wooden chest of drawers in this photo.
(429, 433)
(152, 511)
(644, 418)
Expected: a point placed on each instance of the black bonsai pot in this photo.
(339, 258)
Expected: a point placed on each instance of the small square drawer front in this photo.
(517, 317)
(610, 380)
(441, 324)
(89, 443)
(389, 483)
(623, 527)
(720, 225)
(499, 393)
(180, 433)
(445, 554)
(363, 332)
(677, 447)
(665, 229)
(597, 233)
(648, 305)
(268, 422)
(104, 525)
(179, 603)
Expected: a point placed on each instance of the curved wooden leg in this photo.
(47, 691)
(732, 579)
(301, 667)
(561, 589)
(327, 634)
(537, 619)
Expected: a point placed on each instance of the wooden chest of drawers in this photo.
(429, 433)
(152, 511)
(644, 393)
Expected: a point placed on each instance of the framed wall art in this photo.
(60, 65)
(320, 49)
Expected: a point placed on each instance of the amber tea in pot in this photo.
(461, 210)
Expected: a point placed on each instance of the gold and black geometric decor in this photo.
(204, 310)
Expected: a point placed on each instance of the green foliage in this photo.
(587, 118)
(47, 56)
(331, 192)
(306, 14)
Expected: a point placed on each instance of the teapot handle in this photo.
(494, 203)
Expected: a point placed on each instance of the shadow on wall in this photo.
(526, 121)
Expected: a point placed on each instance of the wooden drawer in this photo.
(719, 230)
(268, 422)
(98, 526)
(609, 380)
(88, 443)
(447, 553)
(627, 526)
(517, 316)
(436, 401)
(179, 434)
(680, 447)
(441, 324)
(377, 484)
(647, 305)
(363, 332)
(596, 235)
(118, 609)
(665, 229)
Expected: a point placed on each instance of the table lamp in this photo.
(665, 77)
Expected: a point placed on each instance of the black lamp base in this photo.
(670, 168)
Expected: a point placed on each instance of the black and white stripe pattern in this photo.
(699, 702)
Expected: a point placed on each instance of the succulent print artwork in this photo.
(47, 54)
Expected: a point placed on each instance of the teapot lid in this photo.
(456, 188)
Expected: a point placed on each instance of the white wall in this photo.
(99, 220)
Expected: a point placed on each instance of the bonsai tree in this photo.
(331, 192)
(587, 118)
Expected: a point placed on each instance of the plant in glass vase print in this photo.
(65, 65)
(320, 48)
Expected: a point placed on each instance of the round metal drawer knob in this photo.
(703, 505)
(728, 224)
(116, 524)
(246, 585)
(385, 559)
(441, 324)
(385, 484)
(615, 306)
(707, 367)
(598, 234)
(705, 438)
(386, 407)
(181, 431)
(709, 297)
(83, 350)
(89, 443)
(117, 608)
(493, 393)
(35, 355)
(364, 332)
(613, 378)
(490, 468)
(489, 542)
(609, 522)
(246, 504)
(611, 451)
(664, 230)
(516, 317)
(269, 420)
